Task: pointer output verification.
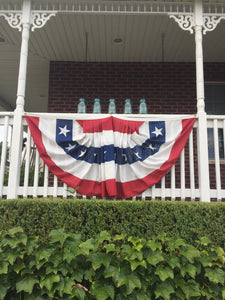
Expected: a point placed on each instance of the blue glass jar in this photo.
(81, 108)
(127, 107)
(97, 106)
(143, 107)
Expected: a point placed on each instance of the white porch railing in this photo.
(181, 183)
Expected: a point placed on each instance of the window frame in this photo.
(210, 131)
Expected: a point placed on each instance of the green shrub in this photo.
(186, 220)
(107, 267)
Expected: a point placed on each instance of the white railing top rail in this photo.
(218, 117)
(93, 116)
(6, 113)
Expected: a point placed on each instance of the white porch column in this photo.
(202, 122)
(15, 159)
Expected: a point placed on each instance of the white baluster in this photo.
(191, 165)
(4, 153)
(182, 175)
(217, 159)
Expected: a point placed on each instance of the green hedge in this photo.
(108, 267)
(186, 220)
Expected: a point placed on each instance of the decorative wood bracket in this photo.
(210, 22)
(186, 22)
(14, 19)
(38, 19)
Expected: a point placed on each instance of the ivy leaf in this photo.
(220, 252)
(32, 244)
(130, 280)
(223, 292)
(174, 262)
(13, 231)
(206, 261)
(26, 284)
(11, 257)
(126, 250)
(164, 289)
(138, 247)
(215, 275)
(3, 290)
(3, 267)
(110, 248)
(32, 263)
(34, 296)
(164, 272)
(86, 247)
(78, 293)
(131, 254)
(104, 236)
(14, 240)
(175, 244)
(66, 286)
(190, 288)
(58, 235)
(136, 255)
(50, 269)
(102, 292)
(155, 258)
(137, 243)
(98, 259)
(190, 252)
(68, 255)
(89, 274)
(111, 271)
(119, 237)
(78, 275)
(64, 269)
(190, 269)
(56, 259)
(153, 245)
(143, 297)
(205, 241)
(135, 264)
(19, 266)
(49, 281)
(44, 253)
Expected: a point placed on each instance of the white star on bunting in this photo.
(70, 147)
(158, 131)
(137, 154)
(64, 130)
(81, 153)
(151, 147)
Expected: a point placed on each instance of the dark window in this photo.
(211, 143)
(215, 98)
(215, 105)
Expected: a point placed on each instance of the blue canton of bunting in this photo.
(154, 139)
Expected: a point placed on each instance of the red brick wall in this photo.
(167, 87)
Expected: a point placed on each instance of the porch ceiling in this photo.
(81, 37)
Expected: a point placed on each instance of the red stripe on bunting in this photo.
(111, 188)
(110, 123)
